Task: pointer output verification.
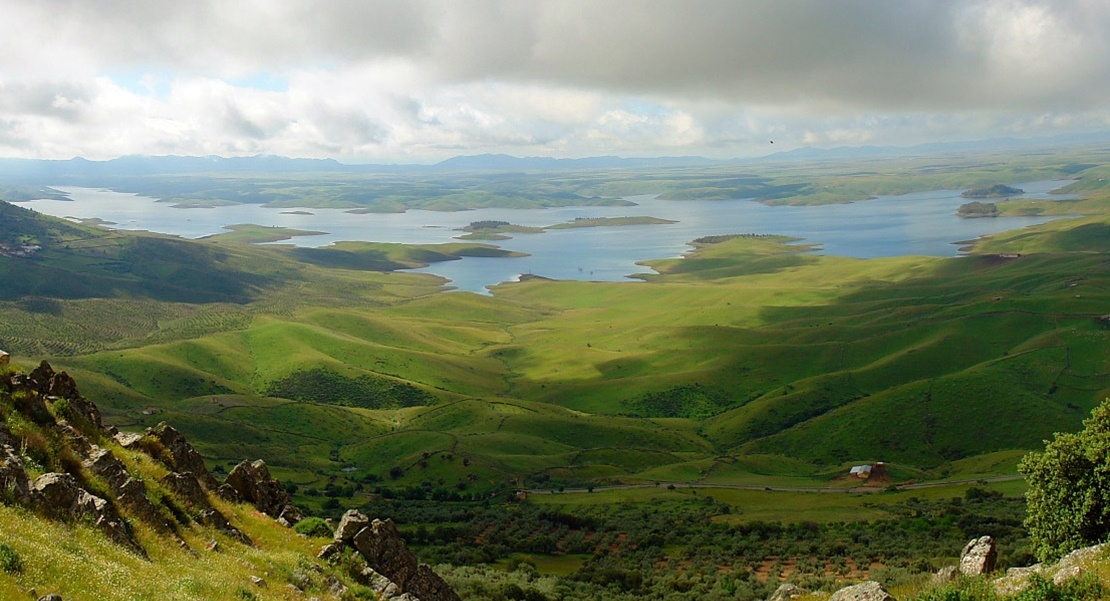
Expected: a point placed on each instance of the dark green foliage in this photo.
(996, 191)
(978, 209)
(1069, 488)
(322, 386)
(692, 401)
(10, 562)
(313, 527)
(1085, 588)
(488, 224)
(677, 550)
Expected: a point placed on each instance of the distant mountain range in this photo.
(130, 166)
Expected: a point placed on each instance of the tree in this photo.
(1069, 489)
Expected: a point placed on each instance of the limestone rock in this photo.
(979, 557)
(59, 497)
(74, 437)
(328, 551)
(188, 489)
(7, 438)
(183, 457)
(50, 597)
(128, 440)
(1066, 574)
(785, 592)
(253, 483)
(5, 358)
(228, 493)
(946, 574)
(130, 493)
(13, 475)
(383, 548)
(867, 591)
(352, 522)
(381, 545)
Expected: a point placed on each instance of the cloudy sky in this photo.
(423, 80)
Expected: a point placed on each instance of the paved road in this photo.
(816, 489)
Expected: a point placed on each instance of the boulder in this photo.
(253, 483)
(128, 440)
(13, 475)
(188, 489)
(946, 574)
(786, 591)
(130, 493)
(352, 522)
(867, 591)
(182, 456)
(381, 545)
(5, 358)
(979, 557)
(74, 437)
(7, 438)
(58, 496)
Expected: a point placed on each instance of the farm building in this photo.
(861, 471)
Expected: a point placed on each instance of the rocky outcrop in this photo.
(13, 476)
(349, 525)
(59, 385)
(786, 592)
(130, 493)
(182, 456)
(979, 557)
(392, 570)
(187, 488)
(1073, 565)
(867, 591)
(253, 484)
(58, 496)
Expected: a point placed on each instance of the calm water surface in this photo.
(922, 223)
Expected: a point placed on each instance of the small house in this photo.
(861, 471)
(150, 411)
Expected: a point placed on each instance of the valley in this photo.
(726, 387)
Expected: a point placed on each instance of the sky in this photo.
(417, 81)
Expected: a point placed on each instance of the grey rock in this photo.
(188, 489)
(183, 457)
(50, 597)
(946, 574)
(58, 496)
(979, 557)
(867, 591)
(130, 493)
(253, 483)
(1066, 574)
(349, 525)
(128, 440)
(785, 592)
(381, 545)
(13, 475)
(328, 551)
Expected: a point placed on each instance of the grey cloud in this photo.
(842, 55)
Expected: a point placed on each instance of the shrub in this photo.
(10, 562)
(1069, 489)
(313, 527)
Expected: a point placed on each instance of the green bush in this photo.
(10, 561)
(1069, 489)
(313, 527)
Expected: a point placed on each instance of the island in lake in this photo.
(996, 191)
(978, 209)
(499, 230)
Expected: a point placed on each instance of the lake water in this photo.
(922, 223)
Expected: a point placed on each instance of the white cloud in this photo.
(425, 79)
